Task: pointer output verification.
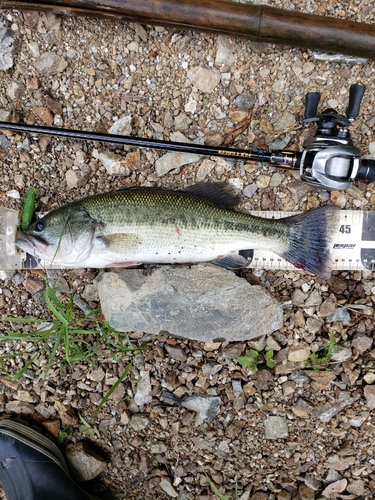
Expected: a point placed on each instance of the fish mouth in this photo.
(31, 243)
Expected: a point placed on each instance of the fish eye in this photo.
(39, 226)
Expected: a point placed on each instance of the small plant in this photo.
(66, 334)
(322, 358)
(65, 432)
(255, 358)
(92, 430)
(115, 385)
(216, 491)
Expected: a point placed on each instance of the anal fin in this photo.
(232, 261)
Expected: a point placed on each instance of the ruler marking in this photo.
(346, 247)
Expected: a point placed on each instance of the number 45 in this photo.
(345, 228)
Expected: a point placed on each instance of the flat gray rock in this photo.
(206, 407)
(50, 63)
(202, 302)
(143, 396)
(276, 427)
(6, 48)
(173, 160)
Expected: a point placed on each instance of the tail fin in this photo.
(311, 235)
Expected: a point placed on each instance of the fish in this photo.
(145, 225)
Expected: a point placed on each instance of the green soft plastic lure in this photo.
(27, 210)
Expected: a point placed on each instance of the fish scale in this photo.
(187, 208)
(173, 220)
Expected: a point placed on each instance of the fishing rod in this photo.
(260, 23)
(329, 159)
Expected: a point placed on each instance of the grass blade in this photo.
(214, 488)
(25, 368)
(54, 350)
(55, 306)
(115, 385)
(22, 320)
(67, 337)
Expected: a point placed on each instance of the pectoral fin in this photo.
(120, 243)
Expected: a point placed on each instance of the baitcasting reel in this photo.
(330, 160)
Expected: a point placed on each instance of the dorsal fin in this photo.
(220, 193)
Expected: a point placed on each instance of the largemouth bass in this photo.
(145, 225)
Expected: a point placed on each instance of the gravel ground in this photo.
(286, 433)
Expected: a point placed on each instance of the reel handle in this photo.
(311, 106)
(356, 92)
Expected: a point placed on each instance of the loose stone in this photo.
(276, 427)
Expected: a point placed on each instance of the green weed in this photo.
(115, 385)
(216, 491)
(255, 358)
(321, 359)
(65, 335)
(90, 429)
(65, 432)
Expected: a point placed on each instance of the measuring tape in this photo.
(353, 246)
